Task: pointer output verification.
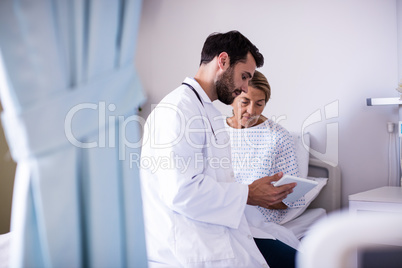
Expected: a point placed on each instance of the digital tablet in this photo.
(303, 186)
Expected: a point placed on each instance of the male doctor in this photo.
(193, 208)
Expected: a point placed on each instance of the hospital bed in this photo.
(322, 200)
(325, 199)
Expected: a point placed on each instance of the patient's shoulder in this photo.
(275, 127)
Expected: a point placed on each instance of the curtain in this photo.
(70, 96)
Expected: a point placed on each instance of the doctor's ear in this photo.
(223, 60)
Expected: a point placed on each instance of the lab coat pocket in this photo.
(200, 242)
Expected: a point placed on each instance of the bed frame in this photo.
(330, 196)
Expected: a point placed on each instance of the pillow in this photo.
(302, 154)
(293, 213)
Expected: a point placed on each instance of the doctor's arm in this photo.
(263, 193)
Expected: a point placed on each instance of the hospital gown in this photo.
(260, 151)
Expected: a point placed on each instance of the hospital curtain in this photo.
(70, 95)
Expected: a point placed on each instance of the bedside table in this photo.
(381, 200)
(385, 199)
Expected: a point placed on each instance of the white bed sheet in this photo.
(300, 225)
(268, 230)
(289, 233)
(4, 249)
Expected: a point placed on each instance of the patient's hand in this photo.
(262, 193)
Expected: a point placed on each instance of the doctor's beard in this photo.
(225, 87)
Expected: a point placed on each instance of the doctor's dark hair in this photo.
(234, 43)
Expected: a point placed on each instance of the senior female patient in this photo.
(261, 147)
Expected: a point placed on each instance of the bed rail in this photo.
(330, 196)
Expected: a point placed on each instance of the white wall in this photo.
(316, 53)
(399, 28)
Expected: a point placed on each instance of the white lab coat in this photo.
(193, 208)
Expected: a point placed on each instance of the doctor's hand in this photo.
(262, 193)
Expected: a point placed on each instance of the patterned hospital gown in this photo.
(260, 151)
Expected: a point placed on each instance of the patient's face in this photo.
(247, 107)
